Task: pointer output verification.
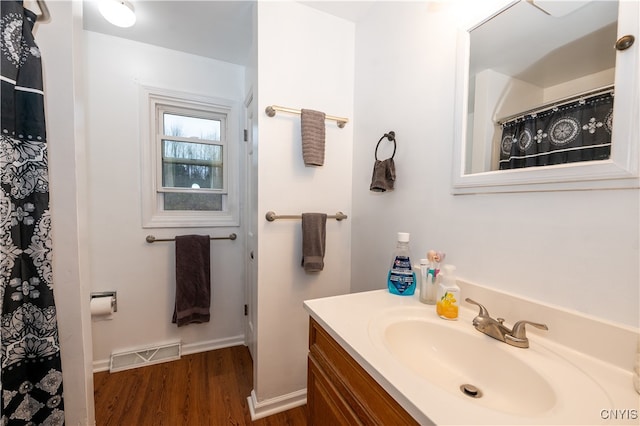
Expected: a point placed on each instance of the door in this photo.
(251, 217)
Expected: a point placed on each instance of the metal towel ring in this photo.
(392, 137)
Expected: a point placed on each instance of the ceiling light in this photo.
(118, 12)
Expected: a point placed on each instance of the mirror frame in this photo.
(620, 171)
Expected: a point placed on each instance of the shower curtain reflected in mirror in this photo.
(578, 131)
(31, 375)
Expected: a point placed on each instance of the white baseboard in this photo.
(210, 345)
(187, 349)
(101, 365)
(260, 409)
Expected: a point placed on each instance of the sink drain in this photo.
(471, 391)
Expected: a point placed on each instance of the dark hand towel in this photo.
(314, 233)
(193, 280)
(313, 129)
(384, 175)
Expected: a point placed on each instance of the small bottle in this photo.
(401, 279)
(448, 295)
(427, 283)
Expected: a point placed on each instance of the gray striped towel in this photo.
(313, 129)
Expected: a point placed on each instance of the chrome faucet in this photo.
(495, 327)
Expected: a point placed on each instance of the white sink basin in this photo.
(528, 383)
(450, 359)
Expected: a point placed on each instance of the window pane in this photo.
(191, 127)
(191, 165)
(190, 201)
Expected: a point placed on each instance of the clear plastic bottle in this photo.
(427, 283)
(448, 295)
(401, 279)
(424, 270)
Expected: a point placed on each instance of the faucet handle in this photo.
(519, 331)
(483, 311)
(518, 336)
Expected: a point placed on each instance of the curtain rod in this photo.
(44, 11)
(271, 216)
(151, 239)
(271, 111)
(557, 103)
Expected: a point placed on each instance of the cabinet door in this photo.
(325, 405)
(341, 392)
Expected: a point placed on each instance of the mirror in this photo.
(524, 67)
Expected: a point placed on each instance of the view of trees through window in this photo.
(192, 164)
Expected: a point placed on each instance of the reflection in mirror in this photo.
(541, 79)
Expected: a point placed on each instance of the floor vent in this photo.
(143, 357)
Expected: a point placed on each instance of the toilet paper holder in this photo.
(112, 294)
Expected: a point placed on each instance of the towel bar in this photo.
(151, 239)
(271, 111)
(271, 216)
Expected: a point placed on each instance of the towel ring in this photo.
(392, 137)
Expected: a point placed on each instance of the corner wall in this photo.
(305, 60)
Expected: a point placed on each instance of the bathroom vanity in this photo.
(378, 358)
(341, 392)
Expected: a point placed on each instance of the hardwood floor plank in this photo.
(204, 389)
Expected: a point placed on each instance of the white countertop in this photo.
(349, 318)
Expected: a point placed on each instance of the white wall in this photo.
(577, 250)
(489, 98)
(305, 60)
(61, 53)
(144, 274)
(583, 84)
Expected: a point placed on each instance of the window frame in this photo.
(154, 102)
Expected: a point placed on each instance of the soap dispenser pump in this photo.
(448, 295)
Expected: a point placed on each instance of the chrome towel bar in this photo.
(271, 111)
(151, 239)
(271, 216)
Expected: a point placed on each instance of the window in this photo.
(188, 157)
(192, 159)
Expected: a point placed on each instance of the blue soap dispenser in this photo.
(401, 279)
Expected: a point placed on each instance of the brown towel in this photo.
(312, 126)
(384, 175)
(314, 233)
(193, 280)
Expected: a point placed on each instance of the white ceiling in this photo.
(545, 50)
(211, 28)
(215, 29)
(352, 11)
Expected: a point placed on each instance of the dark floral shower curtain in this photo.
(578, 131)
(31, 375)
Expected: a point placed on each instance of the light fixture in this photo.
(118, 12)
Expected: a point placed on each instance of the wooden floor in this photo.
(209, 388)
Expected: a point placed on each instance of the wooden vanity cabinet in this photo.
(341, 392)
